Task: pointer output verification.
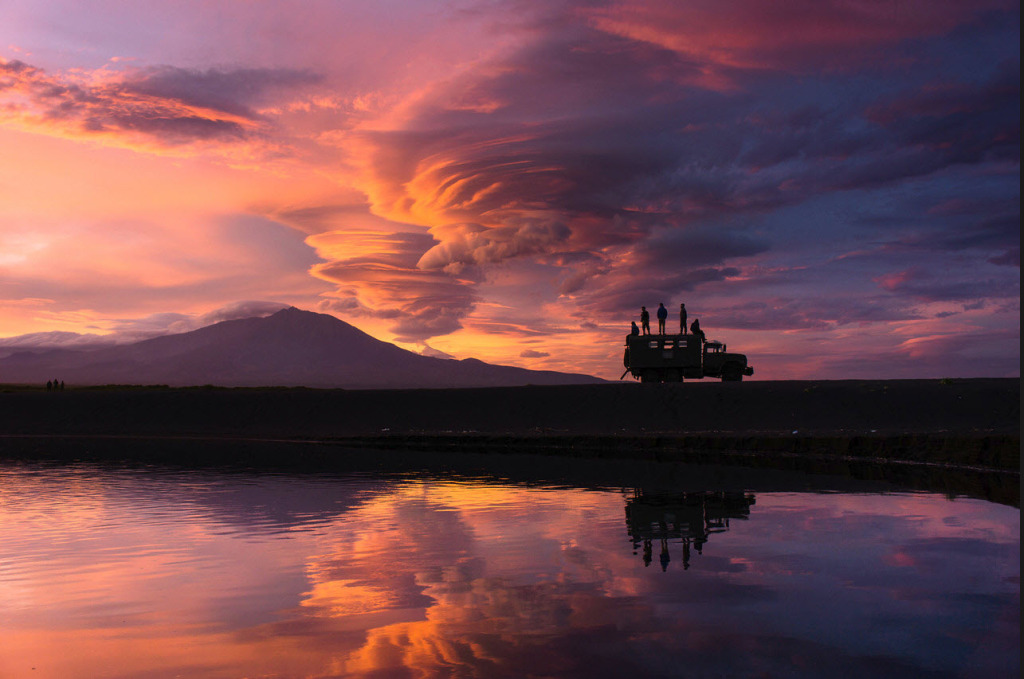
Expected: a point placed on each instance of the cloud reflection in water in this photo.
(143, 574)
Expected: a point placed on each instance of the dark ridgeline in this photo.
(289, 348)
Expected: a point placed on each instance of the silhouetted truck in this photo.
(673, 358)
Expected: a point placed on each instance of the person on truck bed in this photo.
(645, 320)
(662, 315)
(697, 332)
(682, 318)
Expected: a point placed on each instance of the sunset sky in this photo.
(832, 187)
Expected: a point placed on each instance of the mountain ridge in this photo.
(291, 347)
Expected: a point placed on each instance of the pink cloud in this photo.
(897, 280)
(509, 171)
(799, 34)
(153, 108)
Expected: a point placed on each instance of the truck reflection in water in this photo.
(689, 518)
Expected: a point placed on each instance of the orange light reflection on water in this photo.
(292, 577)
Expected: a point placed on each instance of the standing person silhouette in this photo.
(662, 315)
(645, 320)
(682, 318)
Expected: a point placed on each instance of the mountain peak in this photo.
(291, 347)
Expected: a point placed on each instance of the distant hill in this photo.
(289, 348)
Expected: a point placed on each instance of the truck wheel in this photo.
(732, 373)
(650, 376)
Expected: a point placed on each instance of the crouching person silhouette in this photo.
(696, 331)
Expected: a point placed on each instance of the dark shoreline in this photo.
(652, 464)
(970, 423)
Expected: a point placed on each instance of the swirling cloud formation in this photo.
(514, 181)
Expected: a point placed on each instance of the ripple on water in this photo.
(168, 572)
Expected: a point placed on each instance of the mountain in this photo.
(289, 348)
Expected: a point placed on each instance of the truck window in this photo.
(653, 344)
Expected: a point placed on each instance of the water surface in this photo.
(116, 571)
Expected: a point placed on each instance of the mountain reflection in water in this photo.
(125, 572)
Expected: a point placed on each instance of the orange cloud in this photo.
(468, 244)
(513, 179)
(377, 276)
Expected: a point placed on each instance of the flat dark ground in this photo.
(966, 422)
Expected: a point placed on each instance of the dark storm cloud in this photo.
(1009, 258)
(623, 292)
(856, 144)
(952, 234)
(693, 247)
(1000, 232)
(940, 126)
(976, 118)
(820, 313)
(922, 284)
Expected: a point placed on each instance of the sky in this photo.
(831, 187)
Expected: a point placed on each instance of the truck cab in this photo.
(720, 363)
(673, 358)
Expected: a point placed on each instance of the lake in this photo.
(572, 569)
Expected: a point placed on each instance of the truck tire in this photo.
(650, 376)
(732, 372)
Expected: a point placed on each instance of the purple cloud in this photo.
(165, 104)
